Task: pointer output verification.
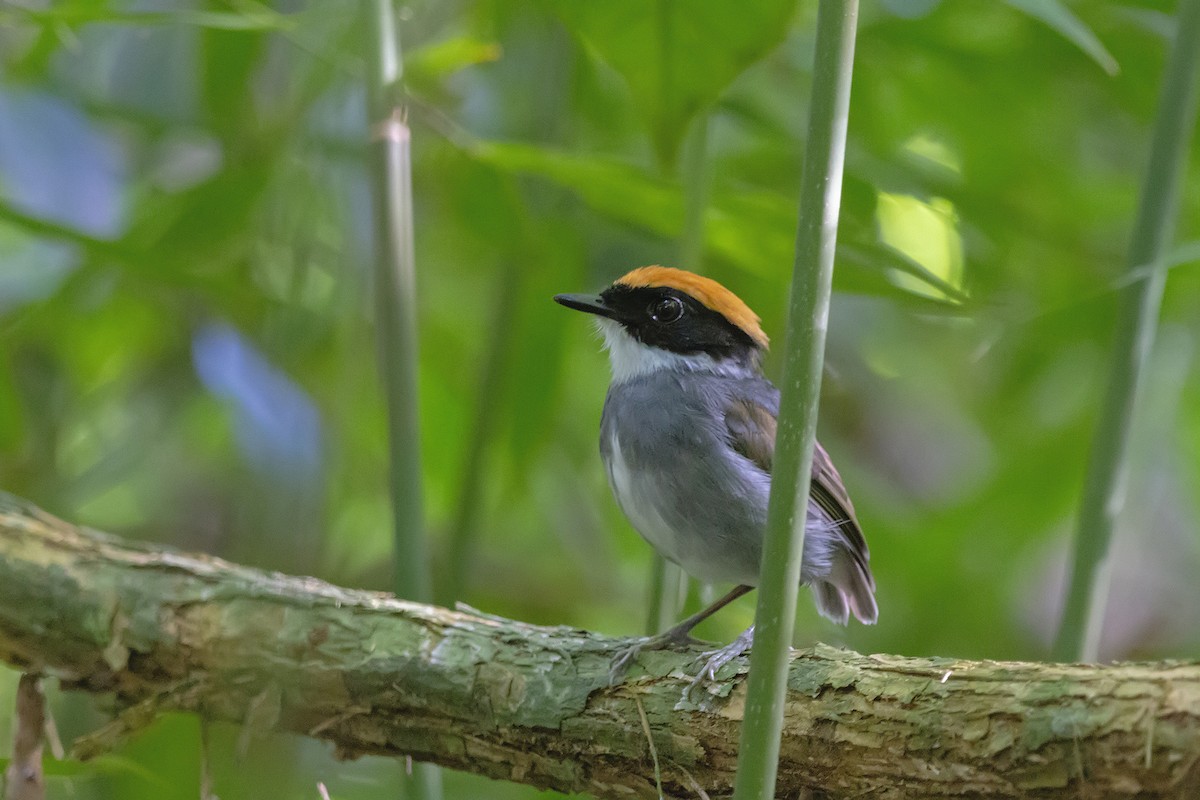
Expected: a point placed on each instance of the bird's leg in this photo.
(678, 635)
(719, 658)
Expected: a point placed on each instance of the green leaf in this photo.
(677, 56)
(1184, 253)
(617, 189)
(439, 59)
(754, 230)
(881, 257)
(1061, 19)
(258, 18)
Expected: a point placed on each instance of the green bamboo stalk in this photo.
(820, 195)
(668, 582)
(396, 323)
(668, 595)
(1137, 317)
(395, 309)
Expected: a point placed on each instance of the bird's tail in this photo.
(849, 587)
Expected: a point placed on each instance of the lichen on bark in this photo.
(165, 631)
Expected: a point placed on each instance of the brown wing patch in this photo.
(827, 487)
(707, 291)
(828, 491)
(752, 432)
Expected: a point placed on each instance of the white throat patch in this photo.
(630, 358)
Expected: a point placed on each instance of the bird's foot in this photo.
(716, 659)
(626, 656)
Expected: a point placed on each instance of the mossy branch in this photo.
(371, 674)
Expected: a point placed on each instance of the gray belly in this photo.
(701, 510)
(682, 486)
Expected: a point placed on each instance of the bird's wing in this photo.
(828, 491)
(751, 426)
(750, 418)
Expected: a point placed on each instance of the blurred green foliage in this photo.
(185, 335)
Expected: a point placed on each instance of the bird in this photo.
(687, 437)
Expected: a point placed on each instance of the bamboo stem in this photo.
(396, 323)
(820, 195)
(1137, 317)
(395, 307)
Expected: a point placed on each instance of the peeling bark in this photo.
(371, 674)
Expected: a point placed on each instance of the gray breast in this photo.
(696, 501)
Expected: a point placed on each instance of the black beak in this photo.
(588, 303)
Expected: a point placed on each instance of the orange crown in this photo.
(706, 291)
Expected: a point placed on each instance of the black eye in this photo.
(667, 309)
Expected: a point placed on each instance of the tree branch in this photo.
(169, 631)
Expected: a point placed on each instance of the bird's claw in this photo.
(716, 659)
(626, 656)
(621, 661)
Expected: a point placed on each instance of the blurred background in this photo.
(187, 346)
